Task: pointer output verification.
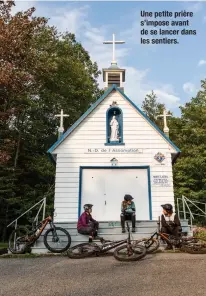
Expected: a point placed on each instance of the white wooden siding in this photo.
(91, 133)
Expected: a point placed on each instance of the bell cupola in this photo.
(113, 74)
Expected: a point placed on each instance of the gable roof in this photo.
(114, 87)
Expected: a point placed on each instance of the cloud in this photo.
(137, 86)
(202, 62)
(67, 19)
(196, 7)
(132, 34)
(189, 88)
(22, 6)
(168, 98)
(76, 19)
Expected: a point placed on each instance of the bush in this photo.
(200, 232)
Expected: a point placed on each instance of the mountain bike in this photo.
(56, 239)
(186, 244)
(125, 250)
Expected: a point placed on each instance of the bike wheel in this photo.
(83, 250)
(138, 252)
(151, 245)
(57, 243)
(18, 241)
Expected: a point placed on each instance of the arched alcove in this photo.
(114, 126)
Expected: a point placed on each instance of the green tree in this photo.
(43, 71)
(153, 108)
(190, 168)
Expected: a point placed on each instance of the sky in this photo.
(173, 71)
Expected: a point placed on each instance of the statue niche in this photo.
(114, 126)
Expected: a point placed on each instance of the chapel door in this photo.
(93, 192)
(105, 189)
(126, 181)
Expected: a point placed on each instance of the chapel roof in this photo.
(114, 87)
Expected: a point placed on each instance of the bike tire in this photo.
(88, 249)
(16, 234)
(153, 247)
(141, 253)
(61, 249)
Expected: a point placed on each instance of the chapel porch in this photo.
(108, 230)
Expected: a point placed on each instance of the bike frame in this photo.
(43, 224)
(113, 244)
(41, 228)
(156, 235)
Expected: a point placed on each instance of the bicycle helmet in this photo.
(128, 197)
(167, 207)
(87, 207)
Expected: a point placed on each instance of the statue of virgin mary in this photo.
(114, 129)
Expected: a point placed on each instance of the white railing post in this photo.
(43, 204)
(15, 234)
(44, 208)
(183, 203)
(178, 209)
(186, 203)
(205, 211)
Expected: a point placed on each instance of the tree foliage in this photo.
(188, 132)
(190, 168)
(41, 72)
(152, 108)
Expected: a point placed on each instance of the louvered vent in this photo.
(113, 78)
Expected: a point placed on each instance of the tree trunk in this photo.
(17, 150)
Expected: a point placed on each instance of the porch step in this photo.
(79, 238)
(108, 230)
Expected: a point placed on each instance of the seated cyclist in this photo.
(170, 222)
(128, 212)
(86, 224)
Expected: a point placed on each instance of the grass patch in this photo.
(3, 245)
(200, 233)
(30, 255)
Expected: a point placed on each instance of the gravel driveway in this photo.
(155, 275)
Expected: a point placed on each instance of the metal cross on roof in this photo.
(165, 115)
(113, 42)
(61, 115)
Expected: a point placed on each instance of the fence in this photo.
(188, 207)
(42, 207)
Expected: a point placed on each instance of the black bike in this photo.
(126, 250)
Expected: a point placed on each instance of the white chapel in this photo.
(112, 150)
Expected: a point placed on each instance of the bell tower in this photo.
(113, 74)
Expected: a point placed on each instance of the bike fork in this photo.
(54, 233)
(129, 248)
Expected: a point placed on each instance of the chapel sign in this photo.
(161, 181)
(113, 150)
